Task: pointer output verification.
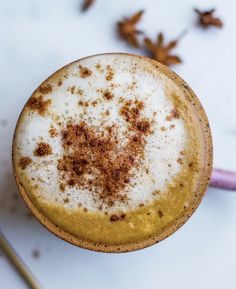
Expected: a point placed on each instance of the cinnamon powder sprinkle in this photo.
(180, 161)
(25, 162)
(66, 200)
(115, 218)
(160, 213)
(84, 71)
(45, 89)
(43, 149)
(173, 114)
(99, 68)
(83, 103)
(53, 132)
(108, 95)
(72, 89)
(110, 73)
(131, 109)
(62, 187)
(80, 92)
(39, 104)
(97, 162)
(143, 126)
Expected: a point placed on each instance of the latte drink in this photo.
(113, 152)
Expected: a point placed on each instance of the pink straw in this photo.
(223, 179)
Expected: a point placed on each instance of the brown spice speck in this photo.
(80, 92)
(59, 83)
(115, 218)
(53, 132)
(25, 162)
(62, 187)
(108, 95)
(144, 126)
(66, 200)
(84, 71)
(43, 149)
(156, 192)
(110, 73)
(160, 213)
(94, 103)
(83, 103)
(173, 114)
(99, 68)
(72, 89)
(105, 113)
(190, 165)
(100, 207)
(39, 104)
(180, 161)
(45, 89)
(131, 110)
(71, 182)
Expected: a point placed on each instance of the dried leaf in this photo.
(127, 29)
(87, 4)
(206, 18)
(161, 52)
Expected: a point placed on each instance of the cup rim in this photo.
(166, 231)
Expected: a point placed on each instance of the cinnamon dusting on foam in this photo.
(53, 132)
(42, 149)
(108, 95)
(45, 89)
(84, 72)
(95, 161)
(115, 217)
(173, 114)
(59, 83)
(110, 73)
(24, 162)
(39, 104)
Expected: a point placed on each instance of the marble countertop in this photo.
(37, 38)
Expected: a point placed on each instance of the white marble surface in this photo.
(38, 37)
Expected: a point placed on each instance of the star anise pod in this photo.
(127, 30)
(87, 4)
(161, 52)
(206, 18)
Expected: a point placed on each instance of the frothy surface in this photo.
(112, 152)
(103, 134)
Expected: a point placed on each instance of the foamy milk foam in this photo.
(126, 77)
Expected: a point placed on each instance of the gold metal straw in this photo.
(18, 263)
